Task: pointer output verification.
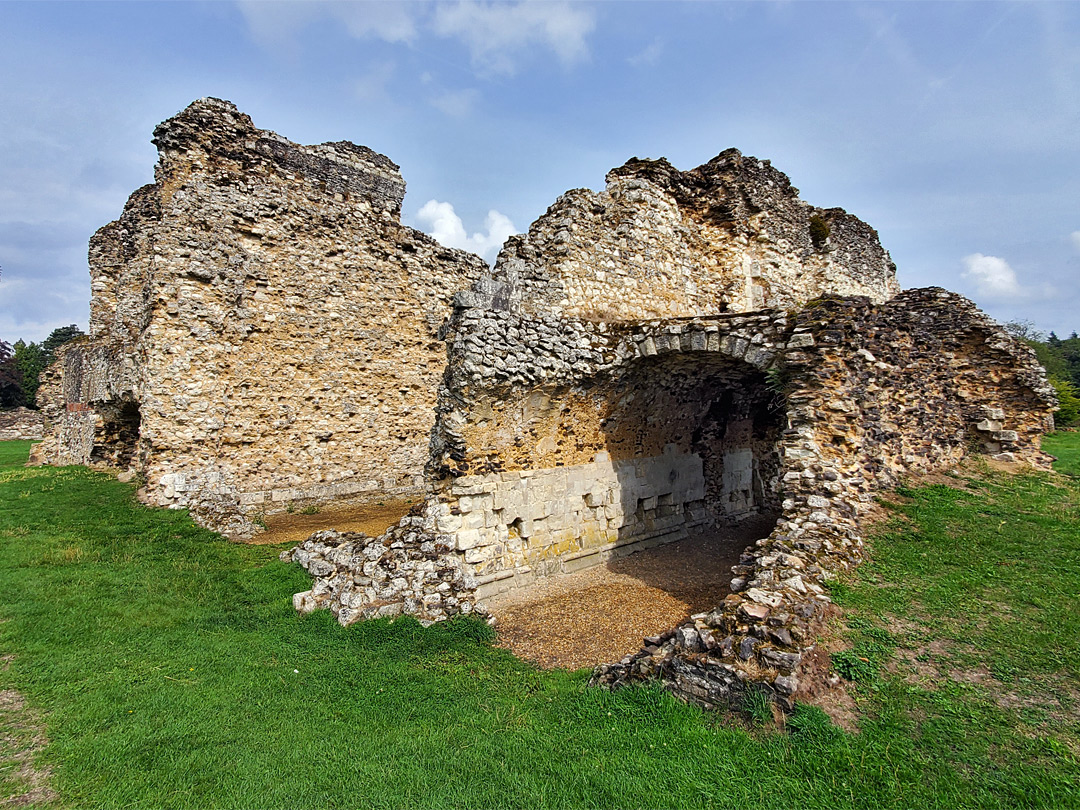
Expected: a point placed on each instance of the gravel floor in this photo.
(601, 614)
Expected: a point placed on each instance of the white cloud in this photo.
(456, 103)
(1075, 237)
(992, 276)
(440, 221)
(275, 24)
(495, 32)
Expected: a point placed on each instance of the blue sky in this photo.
(953, 128)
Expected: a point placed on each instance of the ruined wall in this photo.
(874, 393)
(280, 325)
(81, 397)
(731, 235)
(871, 392)
(597, 441)
(21, 423)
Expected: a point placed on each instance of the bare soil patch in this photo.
(603, 613)
(296, 527)
(22, 737)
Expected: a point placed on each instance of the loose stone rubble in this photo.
(682, 348)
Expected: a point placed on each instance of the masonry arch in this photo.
(688, 478)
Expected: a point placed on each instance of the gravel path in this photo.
(601, 614)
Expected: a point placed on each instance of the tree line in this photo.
(21, 366)
(1061, 359)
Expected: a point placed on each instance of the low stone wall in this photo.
(21, 423)
(408, 569)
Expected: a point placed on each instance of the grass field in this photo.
(1066, 446)
(167, 668)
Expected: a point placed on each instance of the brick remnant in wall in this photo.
(264, 330)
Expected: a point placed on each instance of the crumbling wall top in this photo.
(657, 242)
(229, 139)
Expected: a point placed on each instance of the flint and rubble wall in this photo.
(283, 326)
(731, 235)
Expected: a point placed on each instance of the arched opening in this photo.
(694, 440)
(691, 440)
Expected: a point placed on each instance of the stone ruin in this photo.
(677, 350)
(264, 332)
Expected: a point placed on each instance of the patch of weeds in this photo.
(854, 667)
(758, 706)
(310, 510)
(872, 648)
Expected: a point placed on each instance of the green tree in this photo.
(1068, 400)
(57, 338)
(1061, 359)
(30, 362)
(10, 389)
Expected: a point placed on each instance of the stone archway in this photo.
(696, 432)
(688, 479)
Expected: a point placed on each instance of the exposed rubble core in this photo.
(264, 331)
(680, 350)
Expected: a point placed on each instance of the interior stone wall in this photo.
(515, 527)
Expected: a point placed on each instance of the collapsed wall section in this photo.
(276, 325)
(868, 393)
(608, 389)
(730, 235)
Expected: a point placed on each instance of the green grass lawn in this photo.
(170, 670)
(1066, 446)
